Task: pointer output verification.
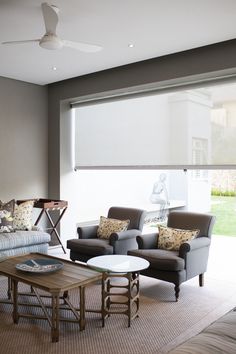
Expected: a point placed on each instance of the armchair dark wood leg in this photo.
(201, 279)
(177, 289)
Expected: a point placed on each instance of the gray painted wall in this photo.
(198, 64)
(23, 140)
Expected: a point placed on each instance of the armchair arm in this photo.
(147, 241)
(124, 235)
(87, 231)
(194, 244)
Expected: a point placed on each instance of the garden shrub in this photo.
(218, 192)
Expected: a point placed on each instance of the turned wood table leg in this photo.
(82, 308)
(129, 295)
(103, 299)
(15, 301)
(9, 289)
(55, 318)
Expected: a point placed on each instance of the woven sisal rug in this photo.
(162, 323)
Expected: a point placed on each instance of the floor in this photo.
(207, 304)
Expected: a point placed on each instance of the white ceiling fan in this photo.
(50, 40)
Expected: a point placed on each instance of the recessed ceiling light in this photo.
(131, 45)
(54, 68)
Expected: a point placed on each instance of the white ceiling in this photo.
(156, 27)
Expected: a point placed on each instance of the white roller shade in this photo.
(181, 129)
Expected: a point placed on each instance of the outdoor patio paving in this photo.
(222, 260)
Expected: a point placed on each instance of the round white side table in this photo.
(119, 266)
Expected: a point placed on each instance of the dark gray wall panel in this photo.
(23, 140)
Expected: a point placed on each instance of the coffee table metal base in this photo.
(130, 295)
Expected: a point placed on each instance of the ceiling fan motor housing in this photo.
(51, 41)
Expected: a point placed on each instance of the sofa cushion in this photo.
(160, 259)
(90, 247)
(41, 248)
(23, 215)
(6, 216)
(22, 239)
(107, 226)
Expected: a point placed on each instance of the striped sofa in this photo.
(21, 242)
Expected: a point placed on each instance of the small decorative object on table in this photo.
(40, 265)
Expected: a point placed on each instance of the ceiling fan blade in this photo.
(21, 42)
(83, 47)
(50, 17)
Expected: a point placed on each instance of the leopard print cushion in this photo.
(171, 239)
(107, 226)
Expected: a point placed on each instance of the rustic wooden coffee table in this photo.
(57, 284)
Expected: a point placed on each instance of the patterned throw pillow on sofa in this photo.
(23, 215)
(171, 239)
(107, 226)
(6, 216)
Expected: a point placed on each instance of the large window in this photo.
(187, 128)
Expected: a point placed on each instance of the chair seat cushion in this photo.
(90, 247)
(160, 259)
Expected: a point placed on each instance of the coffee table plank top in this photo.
(72, 275)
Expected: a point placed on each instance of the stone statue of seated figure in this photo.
(160, 195)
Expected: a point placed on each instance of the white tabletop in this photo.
(118, 263)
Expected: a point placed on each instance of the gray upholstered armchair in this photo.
(178, 266)
(89, 245)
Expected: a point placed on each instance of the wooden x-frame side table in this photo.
(48, 205)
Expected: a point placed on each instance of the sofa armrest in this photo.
(147, 241)
(194, 244)
(89, 231)
(124, 235)
(36, 228)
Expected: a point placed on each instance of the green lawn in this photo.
(224, 208)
